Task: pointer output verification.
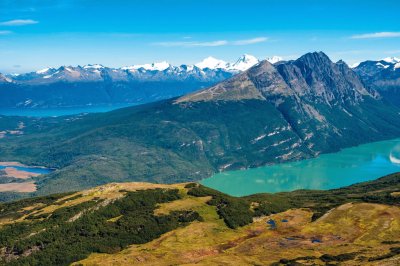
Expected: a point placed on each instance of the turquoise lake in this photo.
(334, 170)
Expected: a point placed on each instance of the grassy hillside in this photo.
(189, 223)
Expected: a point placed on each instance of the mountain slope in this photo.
(313, 95)
(188, 223)
(268, 114)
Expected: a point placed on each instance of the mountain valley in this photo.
(268, 114)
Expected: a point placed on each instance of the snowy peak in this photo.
(274, 59)
(212, 63)
(386, 65)
(160, 66)
(95, 66)
(391, 60)
(244, 62)
(210, 68)
(45, 71)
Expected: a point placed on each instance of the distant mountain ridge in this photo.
(96, 84)
(204, 70)
(383, 76)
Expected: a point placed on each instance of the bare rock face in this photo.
(4, 79)
(321, 101)
(240, 87)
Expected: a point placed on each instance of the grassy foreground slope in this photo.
(153, 224)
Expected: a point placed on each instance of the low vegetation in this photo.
(72, 233)
(151, 220)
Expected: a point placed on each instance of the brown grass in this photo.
(356, 228)
(18, 187)
(12, 172)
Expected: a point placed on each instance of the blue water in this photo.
(61, 111)
(353, 165)
(34, 170)
(271, 223)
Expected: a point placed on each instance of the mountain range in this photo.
(268, 114)
(97, 84)
(69, 86)
(205, 70)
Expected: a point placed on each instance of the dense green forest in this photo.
(165, 142)
(71, 233)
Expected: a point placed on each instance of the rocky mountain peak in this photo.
(313, 77)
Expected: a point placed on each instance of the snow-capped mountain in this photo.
(243, 63)
(274, 59)
(95, 83)
(210, 69)
(384, 67)
(46, 70)
(160, 66)
(95, 66)
(391, 60)
(212, 63)
(382, 75)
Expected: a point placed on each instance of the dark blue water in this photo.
(34, 170)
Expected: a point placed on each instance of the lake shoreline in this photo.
(17, 170)
(364, 162)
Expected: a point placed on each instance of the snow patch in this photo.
(244, 62)
(258, 138)
(274, 59)
(160, 66)
(95, 66)
(43, 71)
(391, 60)
(212, 63)
(382, 65)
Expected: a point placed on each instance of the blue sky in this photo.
(38, 33)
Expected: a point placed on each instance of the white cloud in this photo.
(211, 43)
(250, 41)
(192, 44)
(19, 22)
(5, 32)
(377, 35)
